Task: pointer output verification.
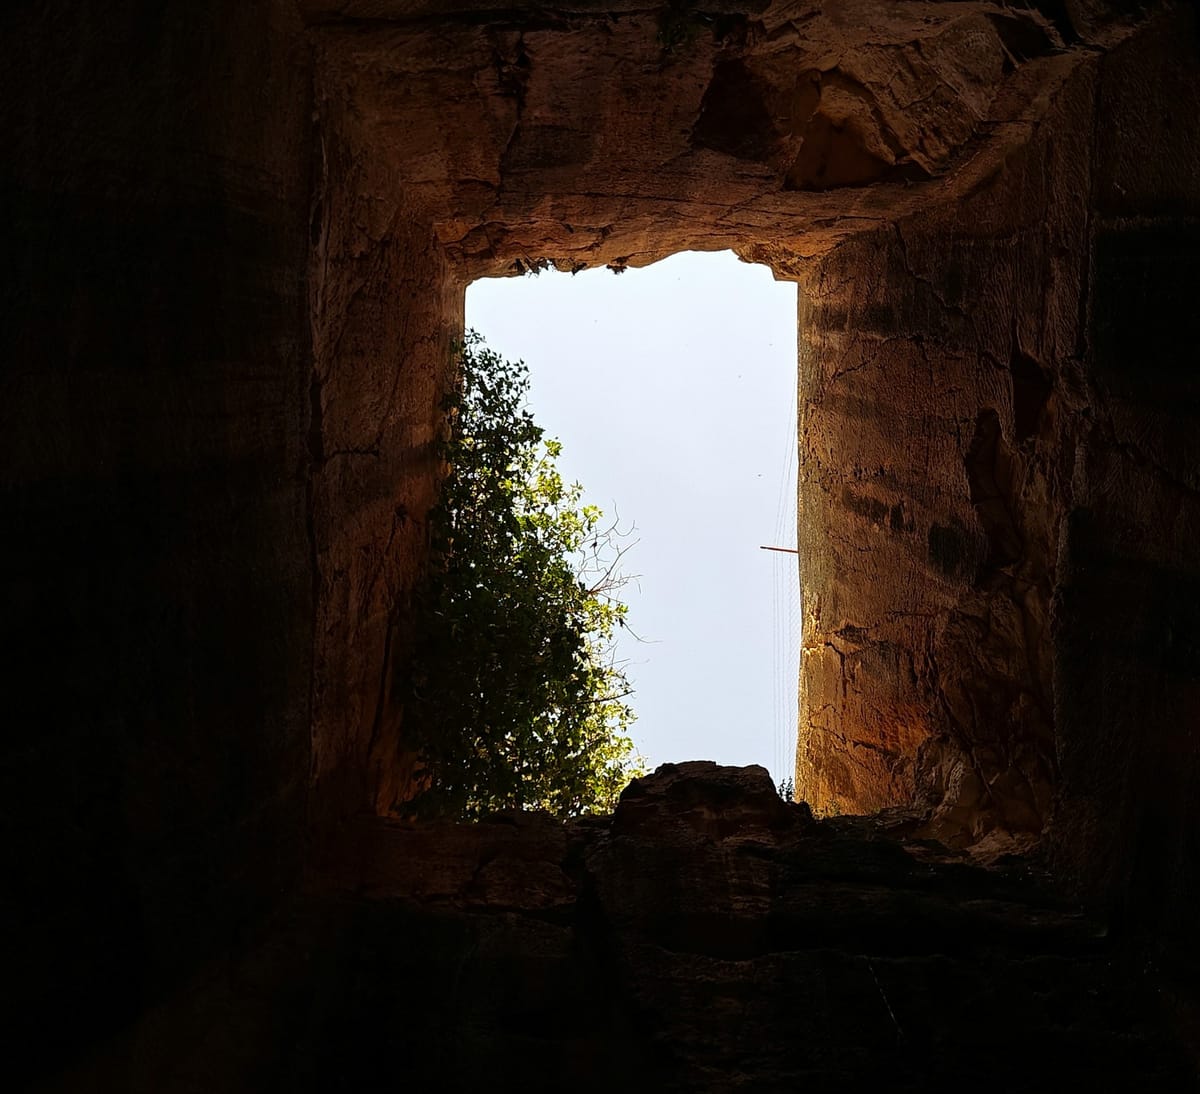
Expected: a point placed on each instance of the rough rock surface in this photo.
(931, 175)
(707, 937)
(592, 133)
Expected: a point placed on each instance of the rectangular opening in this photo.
(673, 391)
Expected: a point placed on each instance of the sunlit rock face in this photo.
(930, 174)
(941, 407)
(240, 239)
(887, 157)
(846, 148)
(994, 511)
(615, 133)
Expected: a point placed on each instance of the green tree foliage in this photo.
(513, 699)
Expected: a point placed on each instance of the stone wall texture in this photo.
(156, 591)
(707, 937)
(239, 236)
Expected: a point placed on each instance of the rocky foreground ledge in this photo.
(706, 937)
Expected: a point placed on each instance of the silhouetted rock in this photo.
(703, 799)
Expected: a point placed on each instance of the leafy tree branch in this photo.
(514, 698)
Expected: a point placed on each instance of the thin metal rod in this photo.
(785, 550)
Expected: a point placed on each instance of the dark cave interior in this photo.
(239, 240)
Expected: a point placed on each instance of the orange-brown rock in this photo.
(454, 147)
(616, 134)
(925, 172)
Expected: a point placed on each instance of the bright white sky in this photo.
(673, 390)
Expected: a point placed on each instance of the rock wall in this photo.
(998, 487)
(917, 171)
(384, 314)
(155, 591)
(929, 175)
(940, 409)
(707, 937)
(597, 133)
(1128, 602)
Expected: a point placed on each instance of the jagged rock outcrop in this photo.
(593, 133)
(706, 937)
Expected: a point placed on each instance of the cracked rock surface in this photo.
(590, 134)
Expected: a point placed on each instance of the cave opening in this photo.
(673, 390)
(241, 239)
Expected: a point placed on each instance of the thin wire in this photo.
(785, 618)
